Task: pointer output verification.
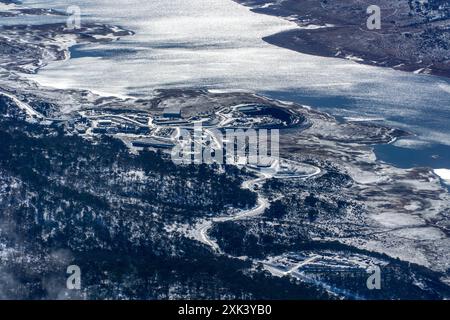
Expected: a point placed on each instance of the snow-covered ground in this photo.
(444, 174)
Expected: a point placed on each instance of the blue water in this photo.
(434, 156)
(81, 51)
(430, 154)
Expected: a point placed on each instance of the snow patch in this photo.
(444, 174)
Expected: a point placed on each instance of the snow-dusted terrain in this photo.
(73, 191)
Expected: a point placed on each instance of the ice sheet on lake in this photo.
(218, 44)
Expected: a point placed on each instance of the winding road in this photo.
(200, 233)
(23, 106)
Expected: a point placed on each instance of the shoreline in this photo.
(301, 41)
(327, 32)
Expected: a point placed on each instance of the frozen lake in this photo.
(217, 44)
